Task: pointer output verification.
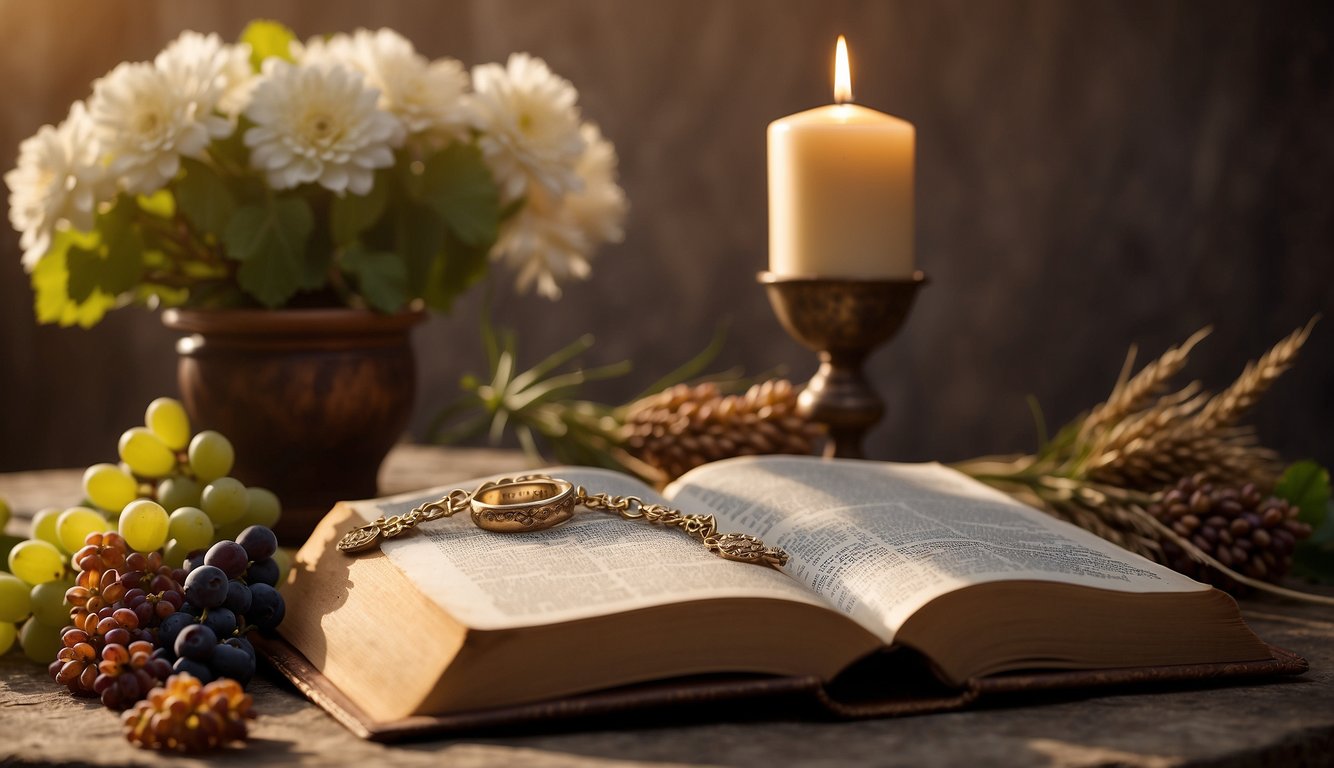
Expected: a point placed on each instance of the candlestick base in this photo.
(843, 320)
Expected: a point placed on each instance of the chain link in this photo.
(703, 528)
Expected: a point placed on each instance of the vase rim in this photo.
(321, 321)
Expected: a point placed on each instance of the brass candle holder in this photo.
(844, 320)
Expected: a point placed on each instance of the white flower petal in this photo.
(317, 121)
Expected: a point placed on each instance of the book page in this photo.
(593, 565)
(880, 540)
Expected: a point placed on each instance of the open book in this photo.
(909, 559)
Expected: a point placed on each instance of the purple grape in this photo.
(196, 642)
(229, 556)
(200, 671)
(233, 662)
(258, 542)
(206, 586)
(170, 628)
(263, 572)
(193, 560)
(221, 621)
(242, 643)
(266, 606)
(238, 597)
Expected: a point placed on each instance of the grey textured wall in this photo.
(1090, 174)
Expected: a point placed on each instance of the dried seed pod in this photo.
(685, 426)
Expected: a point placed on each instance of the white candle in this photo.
(841, 190)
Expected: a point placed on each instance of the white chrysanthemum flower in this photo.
(599, 207)
(543, 246)
(317, 123)
(551, 239)
(529, 126)
(216, 76)
(145, 123)
(58, 181)
(427, 96)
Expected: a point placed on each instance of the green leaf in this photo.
(203, 197)
(350, 215)
(457, 184)
(268, 39)
(270, 242)
(50, 285)
(114, 263)
(419, 237)
(160, 204)
(382, 278)
(1305, 485)
(453, 273)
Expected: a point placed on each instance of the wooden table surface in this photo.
(1284, 723)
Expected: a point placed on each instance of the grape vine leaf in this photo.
(270, 242)
(382, 277)
(457, 184)
(1305, 485)
(203, 197)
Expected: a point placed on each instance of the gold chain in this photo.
(703, 528)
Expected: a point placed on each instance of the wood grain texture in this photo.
(1089, 175)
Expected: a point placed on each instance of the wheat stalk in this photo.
(1132, 395)
(1230, 404)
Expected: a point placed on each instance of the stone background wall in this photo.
(1090, 175)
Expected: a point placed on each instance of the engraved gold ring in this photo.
(523, 504)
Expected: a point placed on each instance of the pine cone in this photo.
(685, 426)
(1239, 527)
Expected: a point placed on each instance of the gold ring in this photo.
(512, 505)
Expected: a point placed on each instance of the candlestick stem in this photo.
(843, 320)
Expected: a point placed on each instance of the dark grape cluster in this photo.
(228, 591)
(135, 620)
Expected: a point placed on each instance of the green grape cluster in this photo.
(171, 491)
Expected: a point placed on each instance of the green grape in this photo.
(8, 633)
(74, 525)
(40, 641)
(190, 528)
(211, 456)
(229, 532)
(109, 487)
(166, 418)
(283, 557)
(173, 554)
(15, 602)
(36, 562)
(44, 525)
(143, 525)
(146, 455)
(264, 508)
(48, 602)
(5, 513)
(224, 500)
(178, 491)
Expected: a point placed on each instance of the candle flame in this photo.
(842, 74)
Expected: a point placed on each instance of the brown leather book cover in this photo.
(890, 684)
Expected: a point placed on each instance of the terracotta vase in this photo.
(312, 399)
